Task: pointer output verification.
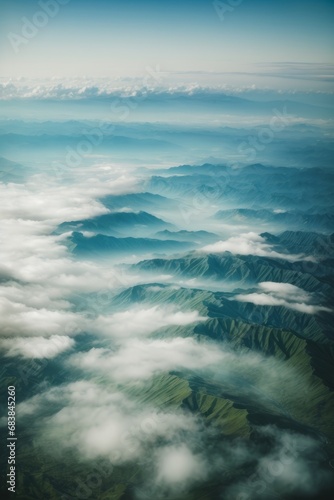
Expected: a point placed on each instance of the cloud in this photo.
(250, 244)
(42, 288)
(285, 290)
(282, 294)
(97, 422)
(179, 466)
(180, 83)
(40, 200)
(36, 347)
(297, 70)
(139, 359)
(137, 322)
(93, 89)
(292, 467)
(39, 260)
(18, 319)
(128, 355)
(31, 205)
(177, 449)
(33, 295)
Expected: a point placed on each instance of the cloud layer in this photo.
(42, 288)
(138, 322)
(97, 422)
(282, 294)
(36, 347)
(178, 450)
(142, 359)
(250, 244)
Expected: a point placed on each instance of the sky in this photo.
(197, 40)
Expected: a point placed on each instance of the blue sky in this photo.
(120, 38)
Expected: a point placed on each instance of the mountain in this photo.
(117, 223)
(294, 220)
(223, 305)
(242, 270)
(109, 245)
(111, 142)
(198, 237)
(205, 169)
(251, 187)
(311, 243)
(11, 171)
(136, 201)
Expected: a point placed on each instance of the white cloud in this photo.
(40, 278)
(19, 319)
(55, 204)
(137, 360)
(36, 347)
(178, 450)
(141, 359)
(137, 322)
(99, 422)
(250, 244)
(282, 294)
(285, 290)
(174, 83)
(33, 295)
(42, 200)
(291, 468)
(30, 254)
(178, 466)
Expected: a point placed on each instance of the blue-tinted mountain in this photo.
(294, 220)
(116, 223)
(109, 245)
(253, 187)
(243, 269)
(110, 142)
(136, 201)
(310, 243)
(199, 237)
(11, 171)
(222, 306)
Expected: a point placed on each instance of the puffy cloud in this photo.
(284, 290)
(89, 88)
(282, 294)
(250, 244)
(137, 322)
(33, 295)
(18, 319)
(40, 200)
(137, 360)
(141, 359)
(178, 466)
(40, 283)
(32, 205)
(291, 468)
(178, 450)
(36, 347)
(97, 422)
(180, 83)
(39, 260)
